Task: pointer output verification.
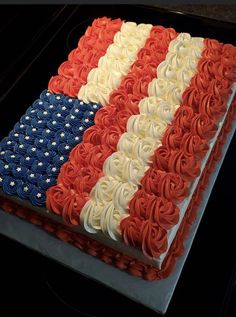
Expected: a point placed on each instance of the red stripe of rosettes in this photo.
(78, 176)
(73, 73)
(176, 163)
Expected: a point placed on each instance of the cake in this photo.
(114, 155)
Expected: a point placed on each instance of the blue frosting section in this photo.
(33, 152)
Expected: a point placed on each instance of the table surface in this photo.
(31, 278)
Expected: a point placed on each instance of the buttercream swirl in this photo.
(184, 165)
(157, 209)
(148, 236)
(168, 185)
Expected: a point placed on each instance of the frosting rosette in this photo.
(156, 209)
(184, 165)
(194, 145)
(149, 237)
(203, 126)
(168, 185)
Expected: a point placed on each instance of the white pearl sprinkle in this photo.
(54, 169)
(40, 121)
(76, 110)
(34, 130)
(41, 141)
(40, 102)
(48, 130)
(80, 128)
(31, 175)
(51, 106)
(12, 183)
(54, 122)
(27, 158)
(58, 97)
(86, 120)
(32, 111)
(76, 138)
(72, 117)
(16, 134)
(1, 179)
(95, 106)
(21, 146)
(18, 169)
(81, 103)
(63, 108)
(3, 152)
(67, 147)
(67, 125)
(48, 180)
(27, 118)
(62, 134)
(70, 100)
(46, 154)
(91, 112)
(6, 166)
(13, 156)
(33, 149)
(25, 189)
(48, 94)
(54, 143)
(22, 126)
(58, 115)
(39, 195)
(45, 112)
(8, 142)
(40, 164)
(61, 158)
(27, 137)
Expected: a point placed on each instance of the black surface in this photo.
(31, 284)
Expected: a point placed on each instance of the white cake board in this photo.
(155, 295)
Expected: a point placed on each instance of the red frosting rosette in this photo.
(184, 164)
(194, 145)
(66, 202)
(212, 105)
(155, 209)
(147, 236)
(93, 135)
(68, 173)
(161, 158)
(168, 185)
(80, 152)
(172, 137)
(183, 117)
(203, 126)
(191, 97)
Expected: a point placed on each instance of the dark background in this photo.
(34, 41)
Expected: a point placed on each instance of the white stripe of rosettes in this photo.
(125, 168)
(115, 64)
